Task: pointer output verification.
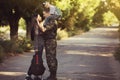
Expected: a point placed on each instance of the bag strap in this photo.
(37, 62)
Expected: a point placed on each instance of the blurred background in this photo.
(78, 17)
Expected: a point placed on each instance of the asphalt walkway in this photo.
(83, 57)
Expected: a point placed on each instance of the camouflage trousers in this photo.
(50, 48)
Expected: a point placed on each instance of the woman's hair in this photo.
(35, 15)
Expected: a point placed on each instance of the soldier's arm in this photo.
(50, 25)
(42, 28)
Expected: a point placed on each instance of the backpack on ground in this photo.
(36, 68)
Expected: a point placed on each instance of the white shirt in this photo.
(53, 10)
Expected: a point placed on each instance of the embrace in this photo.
(43, 34)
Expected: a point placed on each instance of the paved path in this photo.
(83, 57)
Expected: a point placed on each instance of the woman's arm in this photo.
(40, 24)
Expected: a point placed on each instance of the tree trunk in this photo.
(14, 29)
(28, 27)
(13, 19)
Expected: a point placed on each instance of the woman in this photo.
(36, 68)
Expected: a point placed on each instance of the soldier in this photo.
(49, 34)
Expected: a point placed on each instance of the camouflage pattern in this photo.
(50, 48)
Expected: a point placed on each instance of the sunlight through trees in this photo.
(77, 14)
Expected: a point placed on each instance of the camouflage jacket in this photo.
(51, 29)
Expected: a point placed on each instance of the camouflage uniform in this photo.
(50, 45)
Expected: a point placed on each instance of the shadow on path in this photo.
(83, 57)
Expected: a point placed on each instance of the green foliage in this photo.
(12, 10)
(62, 34)
(110, 19)
(8, 46)
(24, 44)
(77, 13)
(3, 32)
(22, 24)
(18, 46)
(2, 35)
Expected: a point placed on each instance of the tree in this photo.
(79, 14)
(12, 10)
(28, 9)
(9, 14)
(98, 16)
(114, 7)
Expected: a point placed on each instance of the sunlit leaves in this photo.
(72, 9)
(109, 19)
(63, 4)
